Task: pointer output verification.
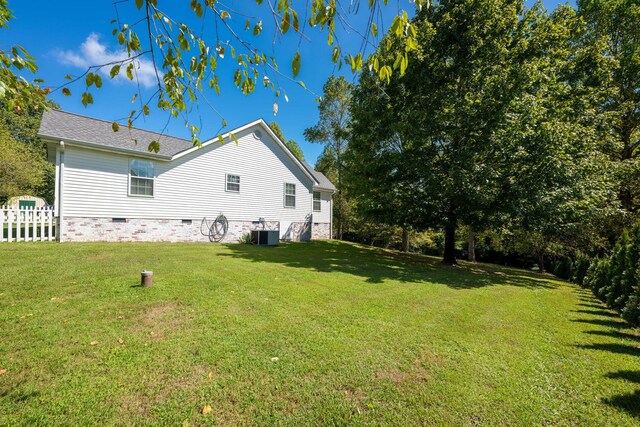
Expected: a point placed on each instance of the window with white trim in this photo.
(233, 183)
(141, 178)
(317, 201)
(289, 195)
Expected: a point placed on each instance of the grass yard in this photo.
(361, 336)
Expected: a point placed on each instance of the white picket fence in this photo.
(27, 224)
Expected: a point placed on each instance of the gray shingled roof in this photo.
(323, 181)
(60, 125)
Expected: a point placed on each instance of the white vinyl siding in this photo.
(324, 215)
(317, 201)
(193, 186)
(233, 183)
(289, 195)
(141, 177)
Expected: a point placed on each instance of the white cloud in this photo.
(93, 52)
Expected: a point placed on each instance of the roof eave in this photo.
(107, 148)
(330, 190)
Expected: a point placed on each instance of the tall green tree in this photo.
(486, 128)
(557, 185)
(615, 26)
(333, 130)
(22, 168)
(433, 147)
(23, 128)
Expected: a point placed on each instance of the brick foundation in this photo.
(321, 231)
(172, 230)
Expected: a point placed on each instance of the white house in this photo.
(109, 187)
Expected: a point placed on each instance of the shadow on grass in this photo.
(627, 402)
(602, 312)
(615, 334)
(377, 265)
(597, 305)
(618, 331)
(613, 348)
(618, 324)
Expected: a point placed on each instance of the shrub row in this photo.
(614, 279)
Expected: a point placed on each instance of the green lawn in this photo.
(361, 336)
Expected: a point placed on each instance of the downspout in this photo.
(60, 190)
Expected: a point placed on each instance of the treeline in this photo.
(24, 169)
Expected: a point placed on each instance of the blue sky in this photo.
(65, 39)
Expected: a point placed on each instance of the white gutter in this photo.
(326, 190)
(110, 149)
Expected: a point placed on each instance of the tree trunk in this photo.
(541, 262)
(472, 245)
(405, 240)
(450, 239)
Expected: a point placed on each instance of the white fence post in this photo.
(34, 229)
(10, 225)
(41, 221)
(12, 221)
(49, 216)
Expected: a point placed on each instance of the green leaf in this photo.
(220, 139)
(154, 146)
(197, 8)
(115, 70)
(86, 99)
(97, 80)
(115, 126)
(403, 64)
(257, 29)
(336, 54)
(233, 136)
(295, 64)
(66, 91)
(296, 22)
(139, 4)
(216, 86)
(374, 30)
(385, 73)
(284, 25)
